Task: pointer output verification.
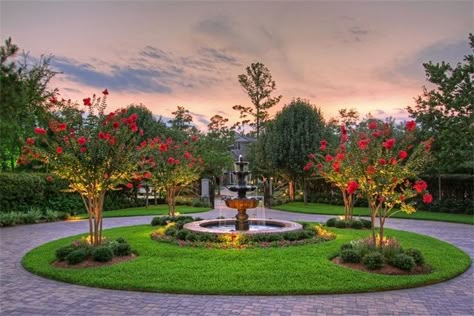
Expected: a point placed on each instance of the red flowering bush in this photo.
(380, 167)
(93, 151)
(174, 166)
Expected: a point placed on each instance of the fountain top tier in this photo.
(241, 188)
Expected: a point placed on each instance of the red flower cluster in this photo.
(410, 126)
(427, 198)
(402, 154)
(420, 186)
(363, 143)
(323, 144)
(40, 131)
(87, 101)
(308, 166)
(373, 125)
(389, 143)
(352, 186)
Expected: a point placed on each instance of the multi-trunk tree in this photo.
(379, 167)
(93, 151)
(174, 165)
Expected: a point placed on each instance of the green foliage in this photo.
(350, 256)
(356, 224)
(373, 260)
(345, 246)
(24, 88)
(31, 217)
(403, 262)
(182, 234)
(76, 256)
(342, 224)
(416, 255)
(294, 134)
(446, 113)
(102, 254)
(331, 222)
(123, 249)
(63, 252)
(9, 219)
(192, 237)
(259, 85)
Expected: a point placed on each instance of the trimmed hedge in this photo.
(24, 191)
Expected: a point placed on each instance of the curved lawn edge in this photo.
(336, 210)
(298, 270)
(152, 210)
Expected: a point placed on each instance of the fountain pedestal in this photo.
(242, 222)
(241, 203)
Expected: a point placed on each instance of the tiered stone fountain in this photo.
(242, 223)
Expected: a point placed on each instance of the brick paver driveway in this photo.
(23, 293)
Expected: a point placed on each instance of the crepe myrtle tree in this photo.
(93, 151)
(382, 169)
(335, 169)
(174, 165)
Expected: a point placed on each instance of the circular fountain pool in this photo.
(256, 226)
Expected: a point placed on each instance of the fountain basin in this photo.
(256, 226)
(241, 203)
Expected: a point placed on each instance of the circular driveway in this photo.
(23, 293)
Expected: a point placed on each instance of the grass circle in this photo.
(306, 269)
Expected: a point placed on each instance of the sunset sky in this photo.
(365, 55)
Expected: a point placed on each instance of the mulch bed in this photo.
(386, 269)
(90, 263)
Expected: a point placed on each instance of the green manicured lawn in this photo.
(163, 267)
(316, 208)
(151, 210)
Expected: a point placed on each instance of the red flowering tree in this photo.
(335, 169)
(93, 151)
(174, 166)
(382, 167)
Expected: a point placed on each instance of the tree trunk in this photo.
(266, 193)
(291, 190)
(439, 187)
(94, 205)
(171, 199)
(305, 193)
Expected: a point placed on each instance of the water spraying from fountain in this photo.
(241, 203)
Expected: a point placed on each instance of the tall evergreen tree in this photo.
(259, 85)
(296, 132)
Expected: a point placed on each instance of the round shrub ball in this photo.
(77, 256)
(341, 224)
(346, 246)
(63, 252)
(357, 224)
(123, 249)
(121, 240)
(350, 256)
(416, 255)
(331, 222)
(367, 224)
(102, 254)
(373, 260)
(403, 262)
(191, 237)
(181, 234)
(171, 232)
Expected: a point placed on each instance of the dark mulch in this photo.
(89, 263)
(386, 269)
